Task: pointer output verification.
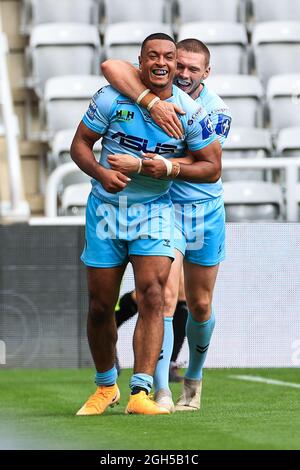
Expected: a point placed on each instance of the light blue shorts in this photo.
(113, 233)
(200, 231)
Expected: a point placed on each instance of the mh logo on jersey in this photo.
(207, 127)
(124, 115)
(138, 144)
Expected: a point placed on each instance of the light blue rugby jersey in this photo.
(219, 113)
(129, 129)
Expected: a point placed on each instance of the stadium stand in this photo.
(288, 142)
(62, 49)
(224, 40)
(253, 201)
(244, 96)
(35, 12)
(74, 199)
(288, 145)
(156, 11)
(66, 99)
(56, 40)
(245, 142)
(281, 10)
(231, 11)
(276, 46)
(283, 97)
(123, 40)
(59, 154)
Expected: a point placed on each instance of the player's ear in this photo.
(206, 73)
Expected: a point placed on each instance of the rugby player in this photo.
(118, 205)
(202, 202)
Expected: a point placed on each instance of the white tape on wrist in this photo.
(142, 95)
(168, 164)
(140, 165)
(152, 103)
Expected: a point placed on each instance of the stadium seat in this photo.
(60, 154)
(35, 12)
(66, 99)
(298, 200)
(123, 40)
(227, 43)
(74, 199)
(117, 11)
(62, 49)
(283, 101)
(276, 48)
(253, 201)
(243, 95)
(288, 144)
(279, 10)
(232, 11)
(243, 142)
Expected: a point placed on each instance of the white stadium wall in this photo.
(43, 299)
(256, 301)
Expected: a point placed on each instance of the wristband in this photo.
(168, 164)
(140, 165)
(175, 169)
(152, 103)
(142, 95)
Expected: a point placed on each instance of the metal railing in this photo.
(289, 164)
(16, 208)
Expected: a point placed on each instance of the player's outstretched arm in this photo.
(125, 78)
(82, 154)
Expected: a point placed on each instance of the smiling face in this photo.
(192, 69)
(158, 65)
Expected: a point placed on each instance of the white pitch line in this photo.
(254, 378)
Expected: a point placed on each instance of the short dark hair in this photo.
(153, 36)
(194, 45)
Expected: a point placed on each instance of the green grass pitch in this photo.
(37, 411)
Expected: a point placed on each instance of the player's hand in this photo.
(164, 115)
(114, 181)
(124, 163)
(153, 168)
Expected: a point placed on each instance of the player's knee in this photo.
(201, 309)
(151, 294)
(99, 311)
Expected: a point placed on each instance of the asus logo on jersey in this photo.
(138, 144)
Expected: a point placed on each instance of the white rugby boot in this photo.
(190, 398)
(163, 398)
